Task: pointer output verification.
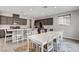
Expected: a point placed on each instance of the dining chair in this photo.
(8, 35)
(34, 31)
(42, 31)
(49, 46)
(60, 41)
(25, 34)
(17, 35)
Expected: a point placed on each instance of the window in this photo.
(64, 20)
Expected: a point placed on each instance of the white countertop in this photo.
(43, 37)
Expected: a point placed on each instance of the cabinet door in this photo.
(3, 20)
(22, 21)
(9, 20)
(2, 33)
(6, 20)
(50, 21)
(16, 20)
(44, 22)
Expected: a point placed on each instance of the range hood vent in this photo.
(16, 15)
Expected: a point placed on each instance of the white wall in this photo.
(71, 31)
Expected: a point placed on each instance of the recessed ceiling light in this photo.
(30, 9)
(55, 7)
(8, 9)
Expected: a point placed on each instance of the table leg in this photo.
(32, 44)
(57, 43)
(61, 43)
(5, 37)
(37, 48)
(27, 45)
(42, 48)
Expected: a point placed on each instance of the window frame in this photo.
(64, 21)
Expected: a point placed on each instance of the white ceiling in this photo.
(37, 11)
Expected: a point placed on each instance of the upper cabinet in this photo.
(46, 21)
(6, 20)
(20, 21)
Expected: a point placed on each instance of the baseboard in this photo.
(70, 38)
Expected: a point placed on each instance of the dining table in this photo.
(42, 38)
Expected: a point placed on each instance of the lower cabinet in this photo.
(2, 33)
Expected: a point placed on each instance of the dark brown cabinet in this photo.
(20, 21)
(6, 20)
(47, 21)
(2, 33)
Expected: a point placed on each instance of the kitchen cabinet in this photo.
(20, 21)
(2, 33)
(6, 20)
(47, 21)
